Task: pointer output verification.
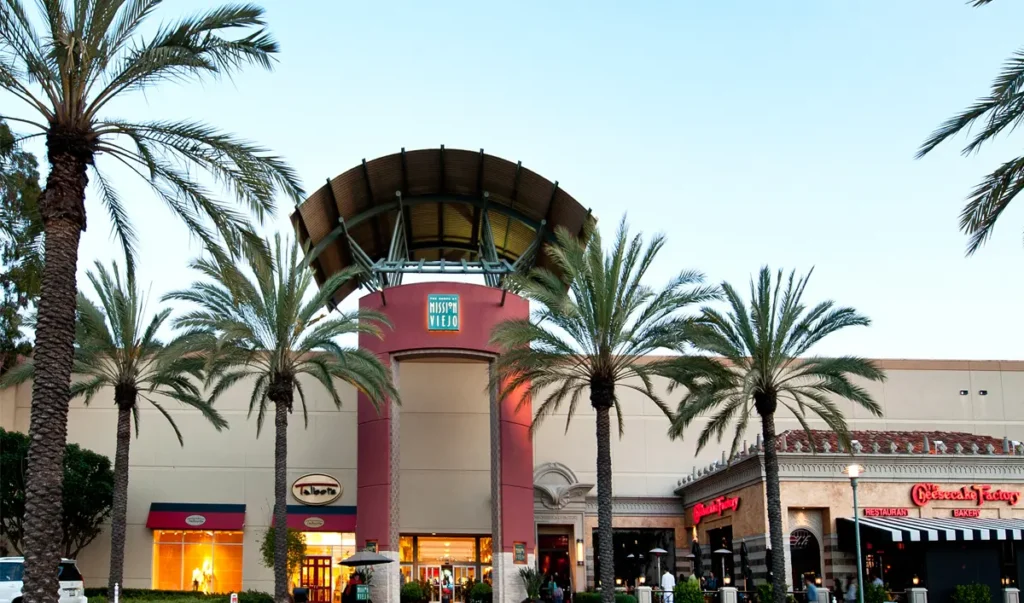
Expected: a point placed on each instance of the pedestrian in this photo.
(557, 594)
(851, 590)
(712, 582)
(812, 590)
(668, 586)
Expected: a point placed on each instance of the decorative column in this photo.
(377, 495)
(513, 529)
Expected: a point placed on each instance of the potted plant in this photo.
(533, 582)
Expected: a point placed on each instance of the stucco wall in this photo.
(749, 520)
(445, 448)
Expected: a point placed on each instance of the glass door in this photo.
(431, 575)
(316, 576)
(463, 574)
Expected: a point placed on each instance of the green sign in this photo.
(442, 312)
(362, 592)
(519, 553)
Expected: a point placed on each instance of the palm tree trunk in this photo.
(119, 512)
(606, 569)
(280, 502)
(774, 496)
(62, 206)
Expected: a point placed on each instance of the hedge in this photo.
(98, 595)
(591, 597)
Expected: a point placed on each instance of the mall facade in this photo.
(450, 484)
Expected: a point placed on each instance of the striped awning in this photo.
(933, 529)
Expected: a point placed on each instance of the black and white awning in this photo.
(933, 529)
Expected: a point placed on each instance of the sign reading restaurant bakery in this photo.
(316, 489)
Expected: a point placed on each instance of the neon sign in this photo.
(922, 494)
(886, 512)
(717, 506)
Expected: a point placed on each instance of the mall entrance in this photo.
(446, 566)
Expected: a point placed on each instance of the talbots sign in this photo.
(316, 489)
(195, 520)
(442, 312)
(715, 507)
(922, 494)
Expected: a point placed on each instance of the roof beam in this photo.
(512, 203)
(405, 208)
(378, 239)
(474, 238)
(440, 209)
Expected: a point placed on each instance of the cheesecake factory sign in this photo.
(979, 494)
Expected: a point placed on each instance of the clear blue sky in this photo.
(749, 132)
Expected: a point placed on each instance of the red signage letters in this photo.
(886, 512)
(922, 494)
(966, 512)
(715, 507)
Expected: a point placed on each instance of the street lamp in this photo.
(854, 472)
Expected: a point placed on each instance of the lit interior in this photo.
(197, 560)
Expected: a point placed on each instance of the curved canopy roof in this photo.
(433, 210)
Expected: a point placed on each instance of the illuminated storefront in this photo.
(446, 563)
(197, 547)
(936, 509)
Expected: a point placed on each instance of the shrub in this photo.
(972, 593)
(533, 582)
(688, 591)
(874, 593)
(587, 597)
(98, 595)
(764, 592)
(254, 596)
(412, 592)
(481, 593)
(624, 598)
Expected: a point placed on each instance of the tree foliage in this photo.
(1001, 111)
(88, 493)
(21, 237)
(296, 549)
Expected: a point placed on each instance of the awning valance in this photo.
(321, 519)
(195, 516)
(932, 529)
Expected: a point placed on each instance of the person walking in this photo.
(668, 587)
(812, 590)
(851, 590)
(557, 594)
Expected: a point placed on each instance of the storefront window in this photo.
(321, 571)
(208, 562)
(448, 565)
(405, 549)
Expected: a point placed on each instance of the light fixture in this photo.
(982, 392)
(854, 471)
(817, 581)
(579, 551)
(916, 580)
(618, 582)
(643, 579)
(727, 580)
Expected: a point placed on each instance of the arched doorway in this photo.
(805, 552)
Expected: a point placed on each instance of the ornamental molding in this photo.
(556, 486)
(640, 506)
(722, 477)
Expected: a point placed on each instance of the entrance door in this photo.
(462, 574)
(431, 574)
(316, 576)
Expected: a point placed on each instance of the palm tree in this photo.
(1000, 112)
(261, 326)
(116, 348)
(763, 367)
(594, 323)
(68, 65)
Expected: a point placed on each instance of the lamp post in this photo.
(854, 472)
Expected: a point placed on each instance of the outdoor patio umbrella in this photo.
(363, 558)
(768, 562)
(698, 563)
(748, 574)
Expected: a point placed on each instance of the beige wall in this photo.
(445, 469)
(918, 395)
(445, 451)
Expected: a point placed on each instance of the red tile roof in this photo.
(885, 438)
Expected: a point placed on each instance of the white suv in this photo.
(72, 588)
